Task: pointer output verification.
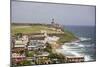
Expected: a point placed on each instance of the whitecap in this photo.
(84, 39)
(87, 58)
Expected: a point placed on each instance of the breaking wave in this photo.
(76, 49)
(84, 39)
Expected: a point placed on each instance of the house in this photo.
(44, 57)
(21, 42)
(17, 57)
(52, 39)
(36, 42)
(17, 50)
(74, 59)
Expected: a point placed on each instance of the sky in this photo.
(65, 14)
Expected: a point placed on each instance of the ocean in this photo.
(86, 46)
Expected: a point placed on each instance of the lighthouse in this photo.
(55, 25)
(52, 22)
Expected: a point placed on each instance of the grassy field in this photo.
(66, 37)
(31, 29)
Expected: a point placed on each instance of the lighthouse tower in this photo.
(52, 21)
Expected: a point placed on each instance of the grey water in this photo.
(86, 46)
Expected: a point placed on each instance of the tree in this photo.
(59, 57)
(30, 53)
(18, 35)
(48, 48)
(24, 62)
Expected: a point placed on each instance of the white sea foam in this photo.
(75, 49)
(74, 44)
(81, 45)
(84, 39)
(87, 58)
(78, 43)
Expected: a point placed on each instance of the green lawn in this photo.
(31, 29)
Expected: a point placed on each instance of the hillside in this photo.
(65, 36)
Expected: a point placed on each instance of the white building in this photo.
(36, 42)
(52, 39)
(22, 42)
